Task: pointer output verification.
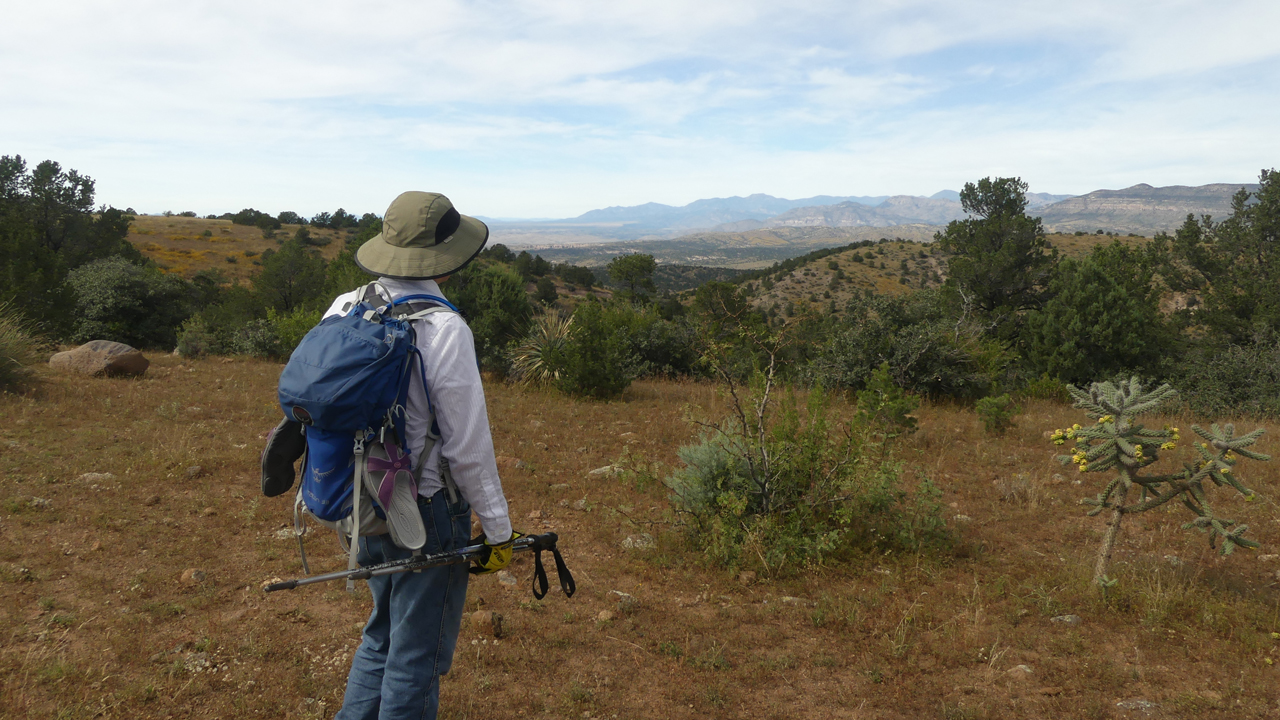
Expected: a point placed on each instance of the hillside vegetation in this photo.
(187, 245)
(827, 279)
(131, 571)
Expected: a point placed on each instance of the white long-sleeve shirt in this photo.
(457, 396)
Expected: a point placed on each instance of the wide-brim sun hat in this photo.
(423, 237)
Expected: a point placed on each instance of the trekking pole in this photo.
(525, 543)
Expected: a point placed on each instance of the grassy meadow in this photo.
(135, 542)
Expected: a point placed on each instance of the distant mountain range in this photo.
(1141, 209)
(701, 214)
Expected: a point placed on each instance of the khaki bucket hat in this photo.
(423, 237)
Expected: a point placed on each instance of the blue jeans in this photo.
(409, 640)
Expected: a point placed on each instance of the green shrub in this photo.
(196, 338)
(929, 351)
(259, 339)
(118, 300)
(884, 404)
(1235, 379)
(1102, 317)
(996, 413)
(546, 294)
(809, 489)
(291, 327)
(1045, 388)
(598, 361)
(497, 309)
(20, 347)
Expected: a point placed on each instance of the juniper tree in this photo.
(1116, 442)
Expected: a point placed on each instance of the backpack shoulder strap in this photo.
(371, 293)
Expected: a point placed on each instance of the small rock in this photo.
(1211, 695)
(208, 512)
(540, 445)
(192, 576)
(487, 623)
(580, 504)
(152, 500)
(96, 546)
(40, 503)
(643, 541)
(606, 470)
(95, 477)
(102, 358)
(1072, 620)
(506, 578)
(195, 662)
(1145, 706)
(604, 616)
(626, 601)
(746, 577)
(194, 471)
(963, 518)
(535, 515)
(1173, 560)
(283, 534)
(790, 600)
(1057, 478)
(1268, 558)
(1020, 670)
(1054, 690)
(270, 581)
(560, 486)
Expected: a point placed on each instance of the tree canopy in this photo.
(1002, 261)
(634, 272)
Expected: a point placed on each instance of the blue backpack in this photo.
(346, 386)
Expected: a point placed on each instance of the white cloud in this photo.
(554, 107)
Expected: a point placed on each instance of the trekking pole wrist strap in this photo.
(540, 584)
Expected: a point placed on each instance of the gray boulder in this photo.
(102, 357)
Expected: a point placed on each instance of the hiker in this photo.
(409, 640)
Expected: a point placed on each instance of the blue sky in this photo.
(551, 108)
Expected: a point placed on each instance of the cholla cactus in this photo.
(1115, 442)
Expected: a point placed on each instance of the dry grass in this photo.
(180, 245)
(97, 621)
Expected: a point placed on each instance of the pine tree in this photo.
(1115, 442)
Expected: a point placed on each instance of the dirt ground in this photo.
(133, 543)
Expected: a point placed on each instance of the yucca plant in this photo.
(20, 348)
(1116, 442)
(529, 359)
